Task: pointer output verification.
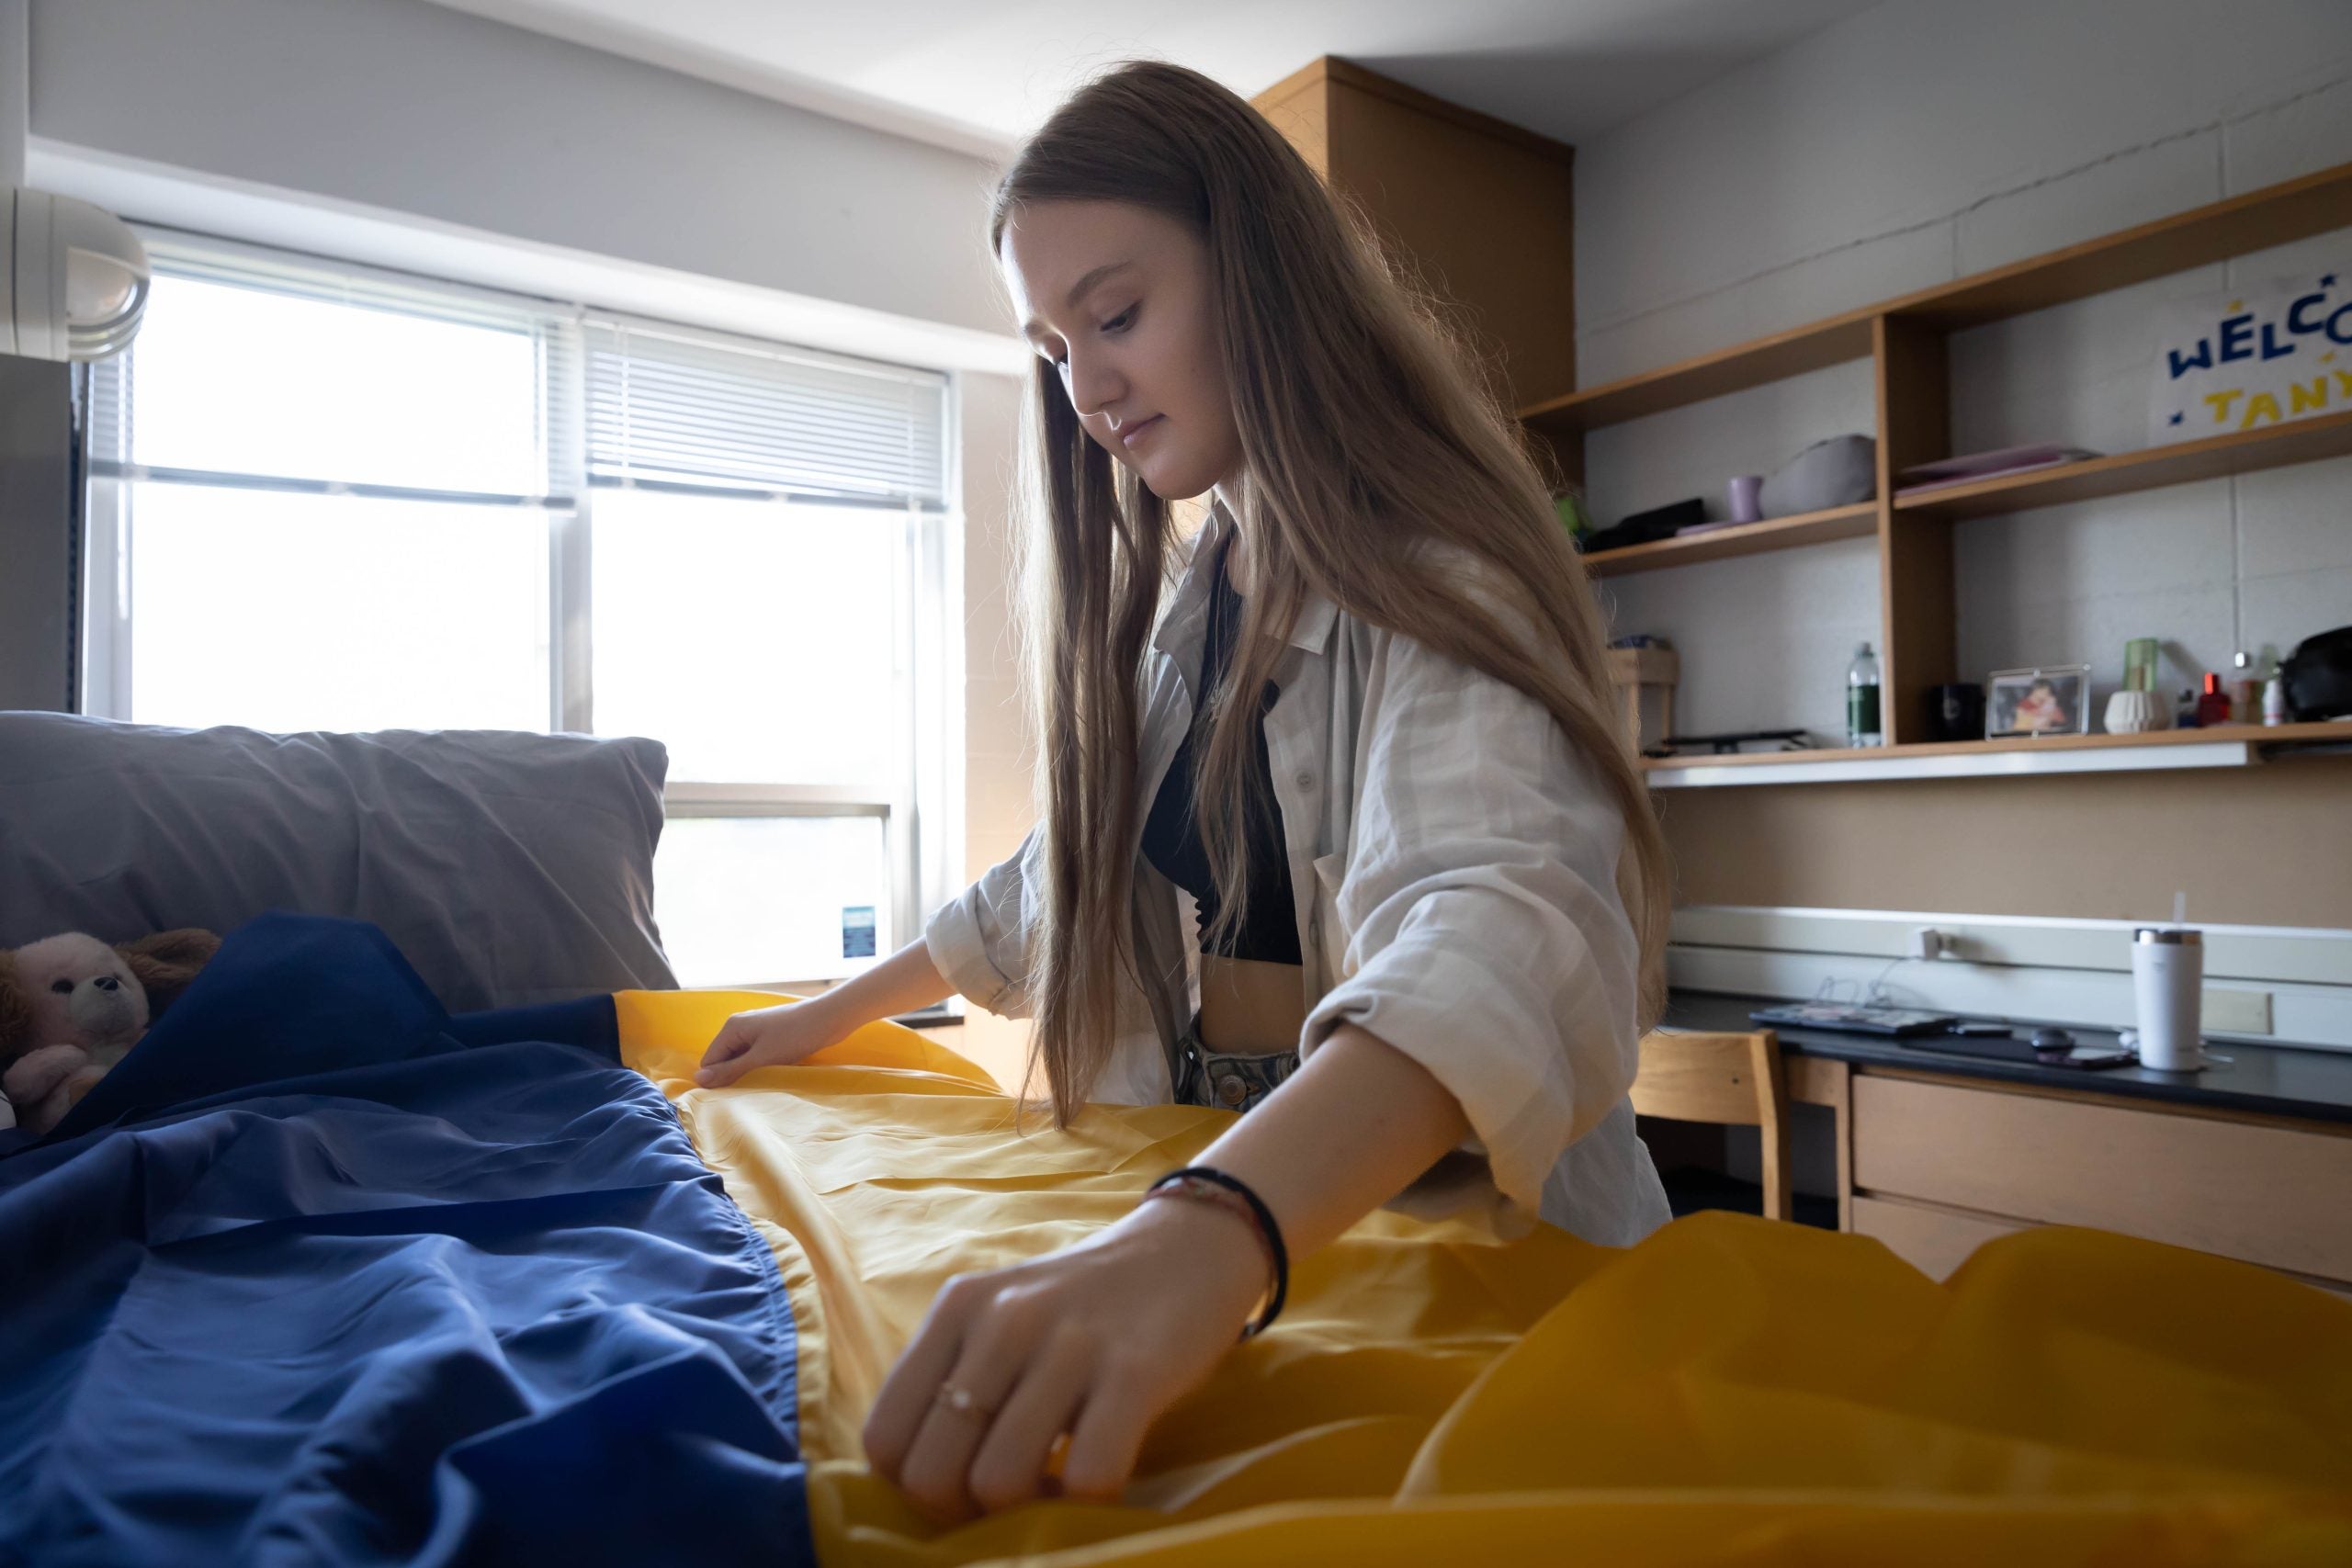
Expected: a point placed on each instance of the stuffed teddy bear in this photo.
(71, 1007)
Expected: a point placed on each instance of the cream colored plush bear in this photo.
(71, 1007)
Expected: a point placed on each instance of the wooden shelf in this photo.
(2276, 446)
(1774, 358)
(2276, 734)
(2228, 745)
(2275, 215)
(1740, 539)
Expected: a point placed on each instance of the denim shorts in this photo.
(1227, 1081)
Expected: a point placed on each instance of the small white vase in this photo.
(2134, 713)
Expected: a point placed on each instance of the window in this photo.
(325, 497)
(364, 482)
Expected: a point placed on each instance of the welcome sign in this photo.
(2245, 358)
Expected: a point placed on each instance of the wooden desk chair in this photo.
(1731, 1080)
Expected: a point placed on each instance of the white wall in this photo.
(417, 109)
(1920, 141)
(414, 108)
(998, 758)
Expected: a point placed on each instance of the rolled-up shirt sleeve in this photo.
(1485, 934)
(978, 940)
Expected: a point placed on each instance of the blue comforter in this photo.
(320, 1274)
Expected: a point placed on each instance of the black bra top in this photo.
(1268, 927)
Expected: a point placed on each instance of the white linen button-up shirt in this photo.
(1452, 866)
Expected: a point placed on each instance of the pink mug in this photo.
(1747, 495)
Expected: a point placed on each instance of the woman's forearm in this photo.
(1353, 1127)
(794, 1031)
(1098, 1339)
(904, 982)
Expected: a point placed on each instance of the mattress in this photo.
(320, 1273)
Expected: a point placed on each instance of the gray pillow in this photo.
(510, 868)
(1840, 472)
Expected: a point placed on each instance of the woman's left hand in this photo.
(1096, 1341)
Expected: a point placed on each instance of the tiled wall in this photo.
(1918, 142)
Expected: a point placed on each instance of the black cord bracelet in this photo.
(1268, 1231)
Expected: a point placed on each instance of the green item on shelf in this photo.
(2140, 664)
(1573, 516)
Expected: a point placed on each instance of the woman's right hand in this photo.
(769, 1037)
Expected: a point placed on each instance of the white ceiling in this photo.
(979, 75)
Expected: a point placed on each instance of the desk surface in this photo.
(2268, 1080)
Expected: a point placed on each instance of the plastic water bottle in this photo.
(1861, 698)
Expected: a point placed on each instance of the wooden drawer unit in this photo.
(1932, 1240)
(2269, 1193)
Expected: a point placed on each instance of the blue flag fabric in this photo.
(320, 1274)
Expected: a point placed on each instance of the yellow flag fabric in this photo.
(1731, 1391)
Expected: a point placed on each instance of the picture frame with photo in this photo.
(2049, 699)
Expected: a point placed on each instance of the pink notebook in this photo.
(1977, 466)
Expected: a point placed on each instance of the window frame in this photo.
(921, 827)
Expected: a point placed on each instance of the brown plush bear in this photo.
(71, 1007)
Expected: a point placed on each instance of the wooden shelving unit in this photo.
(1905, 339)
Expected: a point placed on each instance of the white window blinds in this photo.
(669, 407)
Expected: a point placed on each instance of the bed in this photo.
(327, 1272)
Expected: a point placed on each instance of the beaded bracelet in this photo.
(1208, 1184)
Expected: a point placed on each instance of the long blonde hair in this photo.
(1367, 433)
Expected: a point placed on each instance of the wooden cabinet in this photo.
(1931, 1238)
(1940, 1166)
(1483, 209)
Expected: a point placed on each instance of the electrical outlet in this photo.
(2228, 1010)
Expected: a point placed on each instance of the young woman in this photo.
(1369, 732)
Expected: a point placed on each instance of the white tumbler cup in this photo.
(2168, 984)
